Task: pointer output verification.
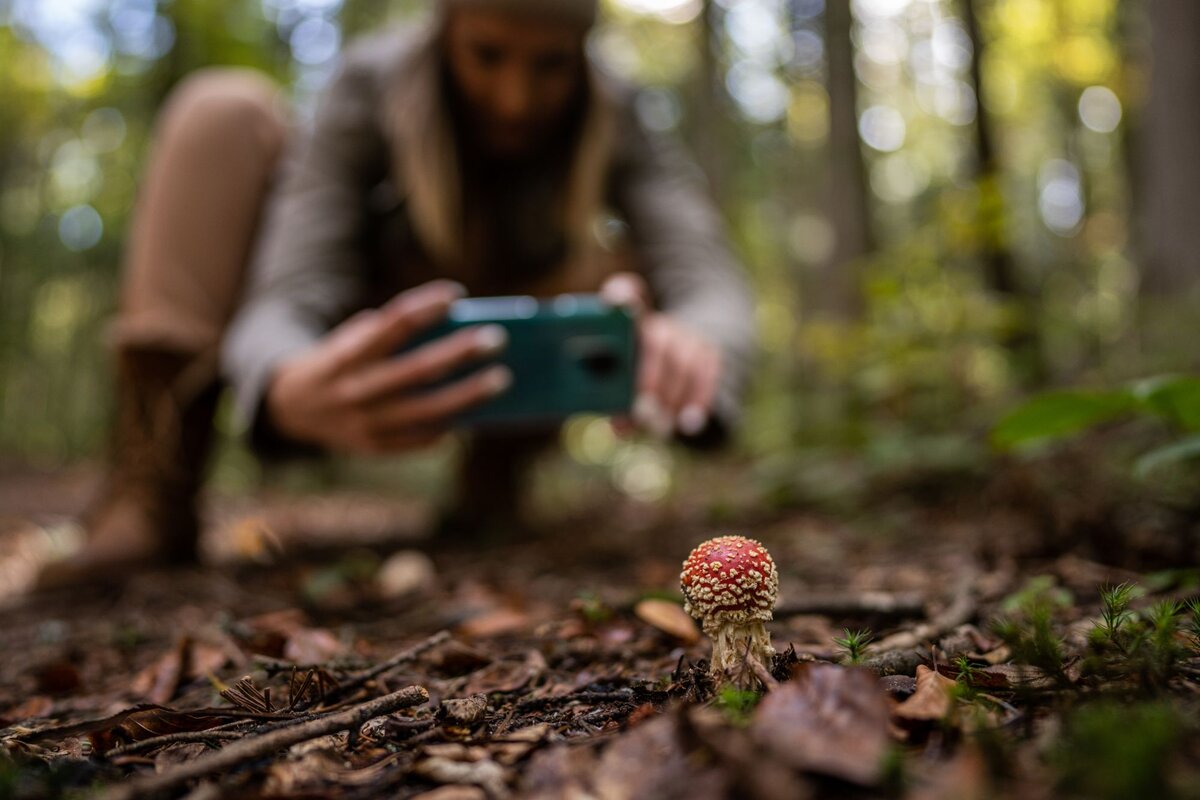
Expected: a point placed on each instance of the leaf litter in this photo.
(460, 674)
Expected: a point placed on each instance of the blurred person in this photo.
(474, 152)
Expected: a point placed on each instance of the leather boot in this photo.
(146, 513)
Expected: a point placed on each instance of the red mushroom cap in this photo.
(732, 577)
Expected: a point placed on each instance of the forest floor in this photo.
(560, 665)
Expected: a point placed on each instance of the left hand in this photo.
(678, 369)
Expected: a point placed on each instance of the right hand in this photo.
(352, 392)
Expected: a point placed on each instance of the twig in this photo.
(960, 611)
(540, 703)
(361, 678)
(762, 673)
(252, 748)
(211, 736)
(859, 604)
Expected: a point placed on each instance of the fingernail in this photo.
(650, 415)
(490, 339)
(456, 288)
(499, 379)
(692, 420)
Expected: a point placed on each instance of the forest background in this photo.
(944, 206)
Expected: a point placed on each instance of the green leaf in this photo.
(1176, 397)
(1056, 415)
(1167, 454)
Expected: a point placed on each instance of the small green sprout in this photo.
(737, 704)
(853, 645)
(1193, 608)
(1114, 612)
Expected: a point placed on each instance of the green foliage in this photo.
(1112, 751)
(1032, 640)
(1054, 416)
(1057, 415)
(1193, 608)
(853, 645)
(737, 704)
(592, 608)
(1141, 650)
(1040, 590)
(1027, 626)
(1115, 610)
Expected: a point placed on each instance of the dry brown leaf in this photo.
(653, 761)
(495, 622)
(145, 722)
(312, 646)
(668, 617)
(558, 773)
(931, 702)
(159, 682)
(506, 676)
(512, 747)
(829, 720)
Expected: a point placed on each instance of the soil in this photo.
(550, 663)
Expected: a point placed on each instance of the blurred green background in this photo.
(943, 204)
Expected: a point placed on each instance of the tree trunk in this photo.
(995, 254)
(839, 293)
(1169, 152)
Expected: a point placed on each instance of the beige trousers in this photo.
(216, 147)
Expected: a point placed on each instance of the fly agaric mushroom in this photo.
(729, 584)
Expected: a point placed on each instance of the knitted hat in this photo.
(580, 11)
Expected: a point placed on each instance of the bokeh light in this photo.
(80, 228)
(1100, 109)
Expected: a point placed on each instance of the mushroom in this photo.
(730, 584)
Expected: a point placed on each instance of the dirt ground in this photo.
(559, 663)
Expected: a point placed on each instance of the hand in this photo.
(678, 367)
(352, 392)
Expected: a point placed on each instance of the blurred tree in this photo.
(1000, 272)
(1170, 151)
(840, 291)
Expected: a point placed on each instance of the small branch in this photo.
(212, 736)
(358, 679)
(960, 611)
(762, 673)
(860, 604)
(253, 748)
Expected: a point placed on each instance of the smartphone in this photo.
(571, 354)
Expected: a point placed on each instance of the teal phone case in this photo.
(572, 354)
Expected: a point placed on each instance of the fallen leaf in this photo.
(668, 617)
(829, 720)
(159, 682)
(484, 773)
(496, 622)
(453, 793)
(652, 761)
(32, 708)
(506, 675)
(57, 678)
(145, 722)
(312, 646)
(512, 747)
(558, 772)
(931, 702)
(455, 658)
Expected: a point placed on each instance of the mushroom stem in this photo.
(732, 643)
